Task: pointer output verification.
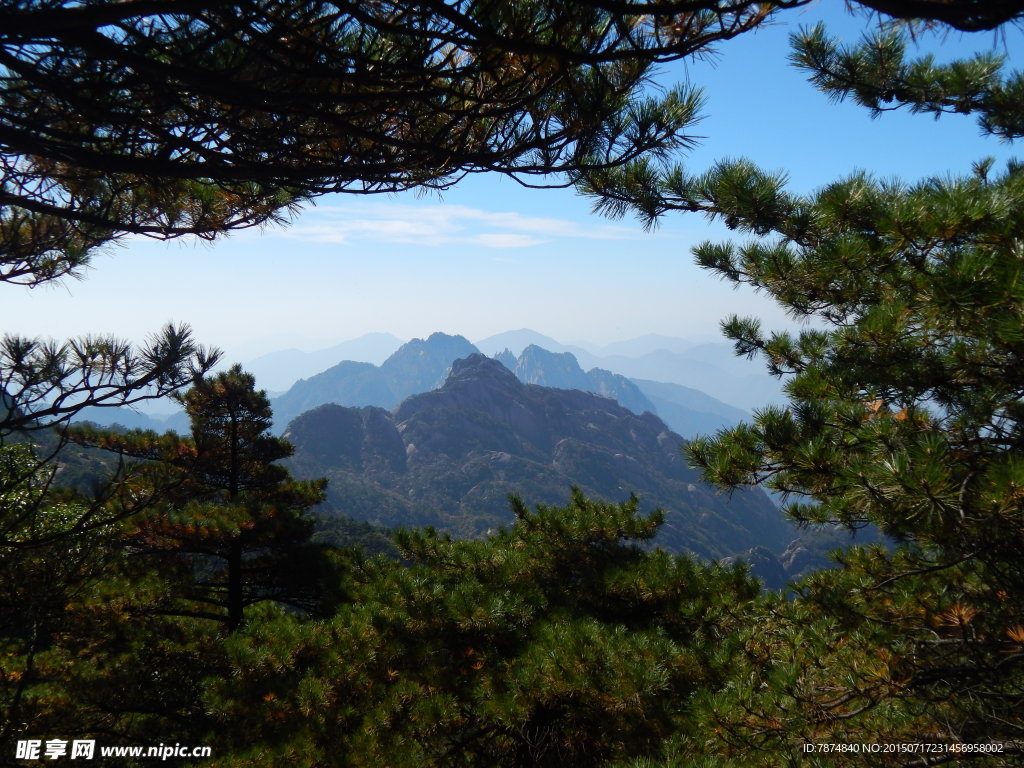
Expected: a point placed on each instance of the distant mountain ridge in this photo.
(560, 369)
(277, 371)
(517, 341)
(450, 457)
(422, 364)
(662, 381)
(708, 366)
(417, 366)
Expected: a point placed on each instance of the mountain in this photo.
(560, 370)
(689, 412)
(417, 366)
(122, 416)
(517, 341)
(277, 371)
(421, 365)
(686, 411)
(707, 367)
(131, 418)
(643, 345)
(450, 457)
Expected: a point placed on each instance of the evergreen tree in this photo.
(37, 582)
(905, 412)
(43, 384)
(165, 120)
(557, 642)
(231, 507)
(966, 15)
(80, 654)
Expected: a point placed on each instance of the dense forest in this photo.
(164, 589)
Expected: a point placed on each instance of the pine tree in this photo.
(77, 649)
(36, 581)
(116, 607)
(905, 413)
(231, 508)
(560, 641)
(166, 120)
(44, 384)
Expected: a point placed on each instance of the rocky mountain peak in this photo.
(437, 346)
(506, 358)
(422, 365)
(477, 367)
(539, 366)
(474, 384)
(451, 456)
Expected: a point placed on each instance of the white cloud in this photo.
(438, 225)
(506, 240)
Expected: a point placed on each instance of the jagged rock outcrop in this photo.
(561, 369)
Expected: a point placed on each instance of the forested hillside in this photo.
(451, 458)
(186, 597)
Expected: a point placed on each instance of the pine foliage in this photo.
(184, 601)
(904, 413)
(558, 641)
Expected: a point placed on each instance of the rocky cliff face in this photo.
(561, 370)
(451, 457)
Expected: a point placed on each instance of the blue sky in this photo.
(490, 255)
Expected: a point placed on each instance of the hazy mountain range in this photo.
(698, 368)
(451, 456)
(706, 367)
(439, 434)
(417, 366)
(277, 371)
(422, 365)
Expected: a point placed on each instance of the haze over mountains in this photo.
(422, 365)
(713, 368)
(451, 456)
(439, 434)
(277, 371)
(652, 361)
(707, 367)
(417, 366)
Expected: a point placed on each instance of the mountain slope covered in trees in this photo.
(450, 458)
(559, 641)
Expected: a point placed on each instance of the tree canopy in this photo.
(168, 118)
(561, 640)
(173, 118)
(905, 411)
